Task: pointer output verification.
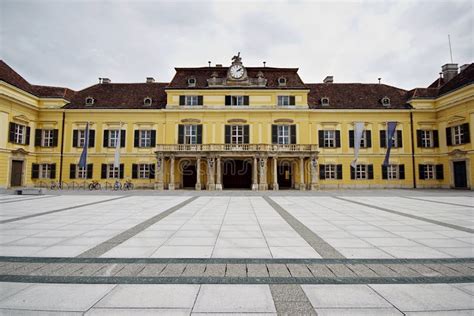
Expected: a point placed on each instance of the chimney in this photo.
(219, 65)
(463, 67)
(150, 80)
(328, 79)
(449, 71)
(106, 80)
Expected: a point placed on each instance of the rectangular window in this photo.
(19, 134)
(283, 100)
(361, 172)
(427, 139)
(329, 138)
(47, 136)
(81, 173)
(143, 171)
(114, 135)
(392, 172)
(81, 137)
(458, 133)
(237, 134)
(394, 140)
(112, 172)
(190, 134)
(330, 171)
(145, 138)
(363, 140)
(430, 172)
(44, 171)
(237, 100)
(191, 100)
(283, 134)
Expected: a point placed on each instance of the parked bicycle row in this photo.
(92, 186)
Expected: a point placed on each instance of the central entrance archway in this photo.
(237, 174)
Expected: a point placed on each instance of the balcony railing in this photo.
(236, 148)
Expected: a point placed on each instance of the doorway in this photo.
(189, 176)
(284, 175)
(237, 174)
(460, 174)
(16, 173)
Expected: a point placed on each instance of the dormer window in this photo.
(191, 82)
(90, 101)
(147, 101)
(325, 101)
(282, 81)
(386, 101)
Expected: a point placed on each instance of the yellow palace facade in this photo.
(237, 127)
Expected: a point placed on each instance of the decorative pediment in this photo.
(283, 121)
(454, 119)
(458, 153)
(236, 121)
(21, 118)
(191, 121)
(19, 152)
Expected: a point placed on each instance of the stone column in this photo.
(211, 184)
(275, 174)
(198, 174)
(171, 184)
(263, 174)
(314, 174)
(302, 184)
(218, 176)
(255, 174)
(159, 170)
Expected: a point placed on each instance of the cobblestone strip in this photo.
(318, 244)
(439, 202)
(290, 299)
(432, 221)
(60, 210)
(109, 244)
(27, 199)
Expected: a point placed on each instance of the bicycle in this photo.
(117, 185)
(128, 185)
(54, 186)
(94, 185)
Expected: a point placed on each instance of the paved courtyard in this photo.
(338, 252)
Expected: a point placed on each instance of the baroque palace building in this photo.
(238, 127)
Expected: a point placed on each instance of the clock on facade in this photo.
(236, 71)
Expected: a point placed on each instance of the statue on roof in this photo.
(237, 59)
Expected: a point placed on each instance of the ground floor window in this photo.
(112, 172)
(143, 171)
(81, 173)
(44, 171)
(429, 172)
(330, 172)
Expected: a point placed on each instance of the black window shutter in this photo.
(465, 137)
(74, 138)
(339, 172)
(106, 138)
(228, 100)
(351, 139)
(52, 172)
(103, 173)
(246, 134)
(11, 134)
(383, 139)
(34, 171)
(72, 171)
(419, 138)
(90, 170)
(134, 171)
(321, 138)
(28, 131)
(338, 138)
(227, 134)
(37, 137)
(370, 171)
(55, 137)
(421, 172)
(322, 175)
(122, 167)
(384, 172)
(136, 138)
(123, 138)
(401, 172)
(399, 139)
(292, 100)
(439, 172)
(152, 171)
(180, 134)
(246, 100)
(353, 174)
(153, 138)
(435, 138)
(274, 134)
(368, 136)
(293, 134)
(199, 134)
(449, 140)
(91, 138)
(182, 100)
(200, 100)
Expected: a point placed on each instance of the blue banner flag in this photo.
(391, 128)
(83, 159)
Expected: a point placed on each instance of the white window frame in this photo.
(393, 172)
(430, 172)
(47, 136)
(363, 139)
(427, 139)
(143, 171)
(361, 172)
(284, 134)
(237, 100)
(190, 134)
(113, 172)
(237, 134)
(191, 100)
(457, 134)
(394, 139)
(81, 137)
(44, 171)
(114, 135)
(330, 172)
(329, 138)
(20, 134)
(283, 100)
(144, 138)
(81, 173)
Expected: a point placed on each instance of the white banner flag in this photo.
(358, 132)
(117, 149)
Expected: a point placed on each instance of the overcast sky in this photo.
(72, 43)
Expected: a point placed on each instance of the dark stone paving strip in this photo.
(318, 244)
(439, 202)
(432, 221)
(28, 199)
(60, 210)
(290, 299)
(113, 242)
